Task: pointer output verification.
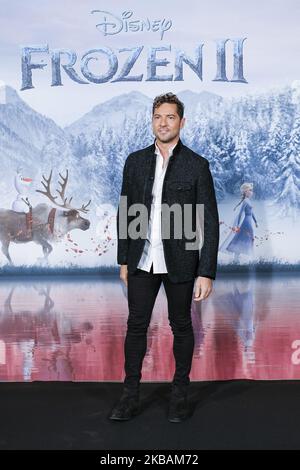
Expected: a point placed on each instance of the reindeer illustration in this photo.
(43, 224)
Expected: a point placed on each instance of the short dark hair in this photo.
(169, 98)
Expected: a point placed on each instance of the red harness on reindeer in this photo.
(29, 221)
(51, 218)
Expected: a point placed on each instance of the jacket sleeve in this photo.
(209, 252)
(122, 216)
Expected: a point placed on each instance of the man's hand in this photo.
(203, 287)
(124, 274)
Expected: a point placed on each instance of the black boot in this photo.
(178, 408)
(127, 406)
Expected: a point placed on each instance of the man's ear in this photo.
(182, 122)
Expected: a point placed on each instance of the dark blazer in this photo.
(187, 180)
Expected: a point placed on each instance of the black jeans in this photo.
(143, 288)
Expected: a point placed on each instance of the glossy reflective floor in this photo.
(74, 329)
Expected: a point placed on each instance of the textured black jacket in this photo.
(187, 180)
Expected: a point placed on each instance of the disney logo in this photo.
(112, 24)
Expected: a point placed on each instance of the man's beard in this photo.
(167, 137)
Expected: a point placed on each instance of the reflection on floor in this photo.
(74, 329)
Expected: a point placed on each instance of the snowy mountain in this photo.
(203, 100)
(30, 140)
(129, 106)
(111, 113)
(30, 126)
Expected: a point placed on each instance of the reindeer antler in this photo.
(63, 187)
(84, 207)
(66, 204)
(47, 187)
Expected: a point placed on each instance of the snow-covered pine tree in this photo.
(288, 179)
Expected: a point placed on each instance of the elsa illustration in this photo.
(240, 240)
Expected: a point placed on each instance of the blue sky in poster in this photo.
(270, 50)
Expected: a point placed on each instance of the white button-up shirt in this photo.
(153, 249)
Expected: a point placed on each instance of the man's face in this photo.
(166, 122)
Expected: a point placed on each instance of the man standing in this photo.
(165, 173)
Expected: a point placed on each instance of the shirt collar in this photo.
(157, 150)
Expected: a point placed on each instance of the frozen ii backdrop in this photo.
(77, 84)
